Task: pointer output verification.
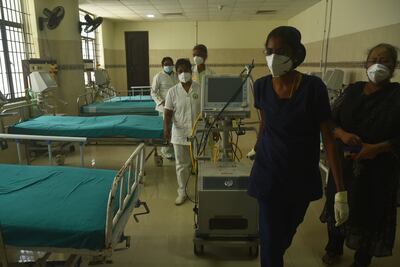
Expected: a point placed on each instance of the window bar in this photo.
(6, 52)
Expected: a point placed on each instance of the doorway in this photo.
(137, 59)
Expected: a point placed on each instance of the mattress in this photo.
(119, 126)
(124, 107)
(60, 207)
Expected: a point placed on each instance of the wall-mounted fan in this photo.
(52, 17)
(90, 23)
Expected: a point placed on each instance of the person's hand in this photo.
(251, 155)
(341, 208)
(368, 151)
(349, 138)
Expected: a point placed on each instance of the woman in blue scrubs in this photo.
(285, 177)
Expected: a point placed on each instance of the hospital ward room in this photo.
(204, 133)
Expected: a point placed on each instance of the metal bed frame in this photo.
(128, 180)
(24, 112)
(90, 97)
(140, 90)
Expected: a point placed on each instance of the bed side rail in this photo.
(140, 90)
(127, 180)
(21, 109)
(20, 138)
(85, 99)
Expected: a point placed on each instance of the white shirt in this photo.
(198, 77)
(186, 108)
(160, 86)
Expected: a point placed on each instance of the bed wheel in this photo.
(128, 242)
(60, 159)
(158, 160)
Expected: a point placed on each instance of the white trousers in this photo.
(183, 166)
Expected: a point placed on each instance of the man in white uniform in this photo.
(182, 106)
(162, 81)
(200, 55)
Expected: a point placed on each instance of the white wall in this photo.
(182, 35)
(348, 16)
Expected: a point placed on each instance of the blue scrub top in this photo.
(288, 151)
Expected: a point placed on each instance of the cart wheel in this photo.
(71, 148)
(158, 160)
(198, 250)
(253, 251)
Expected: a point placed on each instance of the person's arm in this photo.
(260, 129)
(168, 113)
(332, 154)
(370, 151)
(252, 154)
(167, 124)
(324, 117)
(155, 91)
(347, 138)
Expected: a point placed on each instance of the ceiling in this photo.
(195, 10)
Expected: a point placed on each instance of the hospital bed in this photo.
(78, 212)
(132, 129)
(114, 105)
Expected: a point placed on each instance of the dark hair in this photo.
(292, 37)
(183, 62)
(201, 47)
(392, 50)
(165, 59)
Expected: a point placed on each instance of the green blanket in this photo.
(124, 107)
(128, 126)
(62, 207)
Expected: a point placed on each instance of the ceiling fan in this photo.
(90, 23)
(52, 17)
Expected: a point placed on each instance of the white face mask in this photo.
(168, 69)
(185, 77)
(378, 73)
(198, 60)
(279, 64)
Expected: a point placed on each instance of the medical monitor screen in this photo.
(221, 89)
(48, 79)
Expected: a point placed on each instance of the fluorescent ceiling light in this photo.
(150, 16)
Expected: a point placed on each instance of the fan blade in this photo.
(93, 25)
(88, 19)
(47, 12)
(56, 17)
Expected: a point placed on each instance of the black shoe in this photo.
(331, 258)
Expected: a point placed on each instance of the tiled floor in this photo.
(164, 238)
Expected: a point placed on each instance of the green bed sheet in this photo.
(124, 126)
(62, 207)
(124, 107)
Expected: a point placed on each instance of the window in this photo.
(15, 46)
(89, 48)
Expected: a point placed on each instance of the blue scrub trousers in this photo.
(278, 221)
